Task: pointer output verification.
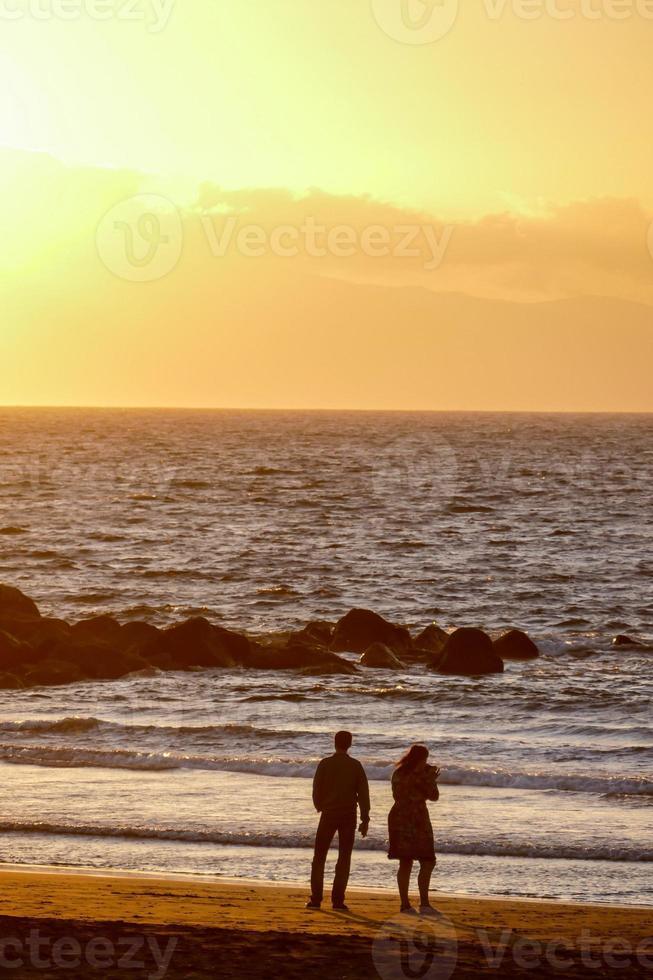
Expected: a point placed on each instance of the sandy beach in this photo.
(55, 923)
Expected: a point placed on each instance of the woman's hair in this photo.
(415, 755)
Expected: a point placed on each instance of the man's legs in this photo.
(346, 838)
(325, 834)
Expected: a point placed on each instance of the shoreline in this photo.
(182, 927)
(287, 885)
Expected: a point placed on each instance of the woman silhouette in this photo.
(411, 835)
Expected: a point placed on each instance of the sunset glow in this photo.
(520, 139)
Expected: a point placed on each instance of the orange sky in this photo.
(483, 175)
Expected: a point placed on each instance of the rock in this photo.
(44, 634)
(52, 672)
(280, 639)
(320, 631)
(14, 603)
(298, 655)
(623, 641)
(95, 661)
(516, 645)
(333, 667)
(379, 655)
(433, 639)
(468, 652)
(360, 628)
(13, 653)
(428, 644)
(138, 637)
(9, 682)
(102, 628)
(630, 643)
(197, 643)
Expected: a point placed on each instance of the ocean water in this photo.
(265, 520)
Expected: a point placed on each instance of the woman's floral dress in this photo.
(409, 824)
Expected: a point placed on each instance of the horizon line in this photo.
(324, 410)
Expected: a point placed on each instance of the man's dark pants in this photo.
(332, 822)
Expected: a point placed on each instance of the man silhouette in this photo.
(339, 785)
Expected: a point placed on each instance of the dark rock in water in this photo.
(10, 682)
(338, 666)
(630, 643)
(623, 641)
(44, 634)
(360, 628)
(14, 603)
(13, 653)
(95, 661)
(138, 637)
(516, 645)
(433, 639)
(298, 655)
(469, 653)
(53, 672)
(379, 655)
(320, 631)
(197, 643)
(103, 628)
(280, 639)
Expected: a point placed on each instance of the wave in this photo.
(61, 725)
(81, 725)
(461, 508)
(452, 775)
(256, 698)
(562, 782)
(524, 849)
(277, 590)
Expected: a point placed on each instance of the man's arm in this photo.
(363, 792)
(318, 787)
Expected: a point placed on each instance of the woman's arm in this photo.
(431, 791)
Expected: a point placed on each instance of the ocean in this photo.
(265, 520)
